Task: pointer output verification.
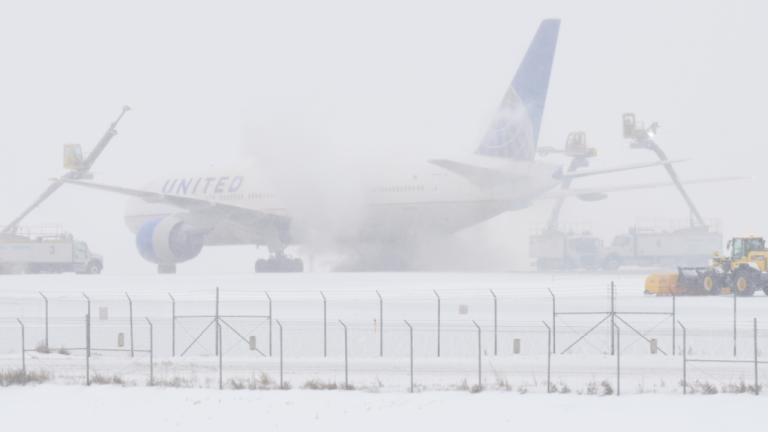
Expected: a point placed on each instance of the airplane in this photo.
(175, 217)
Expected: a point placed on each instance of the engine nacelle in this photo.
(167, 240)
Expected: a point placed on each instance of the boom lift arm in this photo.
(575, 146)
(643, 138)
(74, 174)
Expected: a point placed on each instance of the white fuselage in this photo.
(406, 200)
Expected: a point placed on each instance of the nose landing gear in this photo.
(280, 263)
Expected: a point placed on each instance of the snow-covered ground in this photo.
(109, 408)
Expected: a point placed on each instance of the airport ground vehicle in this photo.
(653, 242)
(649, 243)
(566, 246)
(742, 273)
(46, 249)
(570, 247)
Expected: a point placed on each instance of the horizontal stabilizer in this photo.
(480, 176)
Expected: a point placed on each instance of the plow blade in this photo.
(687, 281)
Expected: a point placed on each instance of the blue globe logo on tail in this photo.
(510, 134)
(514, 131)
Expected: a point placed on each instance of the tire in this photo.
(261, 266)
(712, 285)
(94, 267)
(744, 284)
(297, 265)
(612, 262)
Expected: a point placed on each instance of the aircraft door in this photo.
(435, 187)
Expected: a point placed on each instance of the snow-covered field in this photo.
(311, 308)
(104, 408)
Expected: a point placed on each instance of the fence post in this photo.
(618, 361)
(554, 328)
(88, 350)
(381, 325)
(549, 356)
(734, 323)
(23, 355)
(88, 324)
(755, 333)
(281, 353)
(130, 312)
(325, 326)
(495, 322)
(411, 331)
(674, 348)
(151, 355)
(46, 319)
(270, 322)
(438, 323)
(613, 321)
(479, 358)
(218, 330)
(173, 326)
(221, 352)
(685, 360)
(346, 359)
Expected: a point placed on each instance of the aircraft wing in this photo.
(598, 171)
(499, 175)
(202, 213)
(596, 194)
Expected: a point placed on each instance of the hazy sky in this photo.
(397, 78)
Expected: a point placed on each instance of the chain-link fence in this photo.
(212, 338)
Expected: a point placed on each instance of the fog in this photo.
(320, 95)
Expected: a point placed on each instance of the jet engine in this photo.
(168, 240)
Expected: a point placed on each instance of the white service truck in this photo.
(652, 243)
(571, 246)
(46, 249)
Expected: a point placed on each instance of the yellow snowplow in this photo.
(743, 272)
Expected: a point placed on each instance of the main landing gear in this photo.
(166, 268)
(280, 263)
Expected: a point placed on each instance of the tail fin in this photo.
(514, 131)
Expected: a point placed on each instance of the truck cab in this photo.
(624, 245)
(742, 249)
(85, 261)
